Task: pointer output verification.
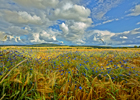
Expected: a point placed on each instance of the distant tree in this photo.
(125, 47)
(135, 46)
(139, 46)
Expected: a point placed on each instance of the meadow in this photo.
(69, 73)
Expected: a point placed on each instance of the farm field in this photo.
(69, 73)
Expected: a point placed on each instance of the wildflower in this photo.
(86, 68)
(112, 78)
(69, 72)
(127, 67)
(101, 72)
(80, 88)
(0, 73)
(99, 75)
(62, 74)
(80, 64)
(62, 65)
(75, 86)
(120, 75)
(31, 69)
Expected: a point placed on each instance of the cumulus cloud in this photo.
(110, 38)
(73, 31)
(18, 31)
(21, 17)
(47, 37)
(95, 36)
(12, 40)
(44, 36)
(2, 34)
(38, 3)
(32, 25)
(64, 28)
(34, 38)
(135, 11)
(127, 37)
(72, 12)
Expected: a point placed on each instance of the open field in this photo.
(69, 73)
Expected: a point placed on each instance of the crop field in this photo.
(69, 73)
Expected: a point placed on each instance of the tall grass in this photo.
(69, 74)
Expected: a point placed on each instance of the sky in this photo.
(70, 22)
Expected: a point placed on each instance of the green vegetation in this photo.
(69, 47)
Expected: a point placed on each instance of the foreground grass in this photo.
(75, 74)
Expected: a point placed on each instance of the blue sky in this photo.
(70, 22)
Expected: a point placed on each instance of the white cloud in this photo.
(64, 28)
(97, 24)
(135, 11)
(2, 34)
(13, 40)
(38, 3)
(73, 31)
(135, 31)
(123, 37)
(48, 37)
(72, 12)
(34, 38)
(110, 38)
(17, 31)
(127, 37)
(19, 20)
(138, 37)
(138, 23)
(103, 7)
(18, 39)
(108, 21)
(21, 17)
(45, 36)
(95, 36)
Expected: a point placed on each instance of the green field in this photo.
(69, 73)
